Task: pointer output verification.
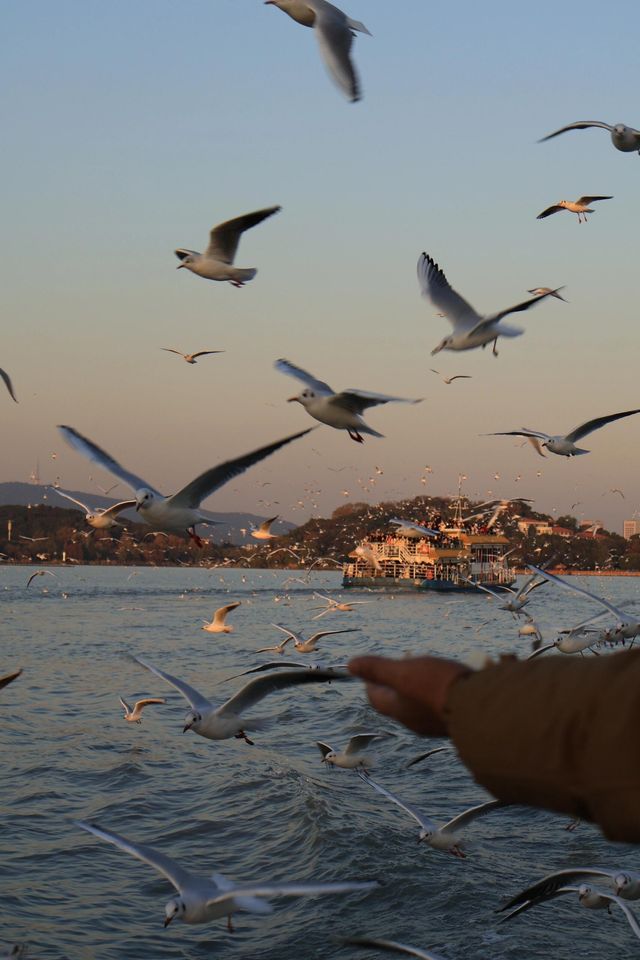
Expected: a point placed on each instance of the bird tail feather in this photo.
(358, 26)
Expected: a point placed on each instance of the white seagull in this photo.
(579, 206)
(587, 897)
(449, 380)
(470, 329)
(335, 606)
(447, 837)
(225, 722)
(625, 884)
(625, 139)
(552, 293)
(191, 357)
(99, 519)
(335, 32)
(262, 531)
(7, 382)
(518, 598)
(406, 526)
(352, 757)
(342, 411)
(39, 573)
(201, 899)
(218, 624)
(181, 511)
(302, 645)
(216, 263)
(390, 946)
(135, 715)
(564, 446)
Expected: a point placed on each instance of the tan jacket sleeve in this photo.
(560, 733)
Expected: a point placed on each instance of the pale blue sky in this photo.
(131, 128)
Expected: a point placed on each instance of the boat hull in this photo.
(422, 586)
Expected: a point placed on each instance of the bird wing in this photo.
(324, 748)
(517, 308)
(290, 634)
(205, 353)
(221, 612)
(93, 452)
(290, 890)
(174, 873)
(554, 208)
(327, 633)
(171, 350)
(585, 428)
(9, 678)
(270, 665)
(423, 756)
(118, 508)
(264, 526)
(224, 239)
(359, 400)
(435, 286)
(335, 40)
(199, 489)
(420, 818)
(141, 704)
(579, 125)
(480, 586)
(257, 689)
(73, 499)
(125, 705)
(472, 814)
(571, 586)
(7, 382)
(631, 917)
(588, 200)
(361, 741)
(552, 882)
(460, 376)
(534, 903)
(391, 946)
(426, 531)
(195, 699)
(319, 387)
(537, 434)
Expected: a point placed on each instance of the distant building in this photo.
(539, 527)
(630, 529)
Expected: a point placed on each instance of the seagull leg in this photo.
(229, 923)
(457, 852)
(355, 436)
(494, 351)
(241, 735)
(194, 536)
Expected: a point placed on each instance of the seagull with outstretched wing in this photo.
(216, 263)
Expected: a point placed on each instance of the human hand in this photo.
(413, 691)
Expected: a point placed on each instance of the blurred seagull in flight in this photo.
(390, 946)
(625, 139)
(216, 263)
(470, 329)
(579, 206)
(352, 757)
(135, 715)
(537, 291)
(181, 511)
(201, 899)
(99, 519)
(191, 357)
(342, 411)
(306, 646)
(7, 382)
(218, 624)
(39, 573)
(335, 32)
(225, 722)
(448, 380)
(587, 897)
(564, 446)
(262, 531)
(336, 606)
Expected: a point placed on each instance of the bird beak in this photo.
(187, 726)
(137, 507)
(289, 399)
(167, 921)
(437, 350)
(179, 267)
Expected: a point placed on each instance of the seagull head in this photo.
(329, 757)
(144, 498)
(174, 908)
(620, 128)
(584, 890)
(190, 720)
(304, 398)
(186, 260)
(620, 882)
(424, 836)
(441, 346)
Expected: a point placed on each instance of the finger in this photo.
(383, 699)
(372, 669)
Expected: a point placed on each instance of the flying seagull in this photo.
(587, 897)
(390, 946)
(201, 899)
(135, 715)
(448, 380)
(191, 357)
(564, 446)
(216, 263)
(181, 510)
(342, 411)
(470, 329)
(352, 757)
(99, 519)
(262, 531)
(625, 139)
(552, 293)
(335, 32)
(218, 624)
(625, 884)
(579, 206)
(7, 382)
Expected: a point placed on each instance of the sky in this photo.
(132, 128)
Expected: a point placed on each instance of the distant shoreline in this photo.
(585, 573)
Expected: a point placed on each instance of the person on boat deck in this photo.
(559, 733)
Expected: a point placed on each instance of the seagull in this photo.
(39, 573)
(191, 357)
(287, 665)
(306, 646)
(224, 722)
(335, 32)
(339, 410)
(9, 678)
(216, 263)
(470, 329)
(100, 519)
(444, 838)
(262, 532)
(519, 598)
(218, 624)
(352, 756)
(405, 526)
(538, 291)
(564, 446)
(181, 510)
(625, 885)
(201, 899)
(135, 715)
(625, 139)
(579, 206)
(335, 606)
(390, 946)
(424, 756)
(364, 552)
(588, 897)
(7, 382)
(448, 380)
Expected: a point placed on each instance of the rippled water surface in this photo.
(268, 812)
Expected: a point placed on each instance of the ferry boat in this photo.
(406, 559)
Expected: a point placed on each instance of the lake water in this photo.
(270, 812)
